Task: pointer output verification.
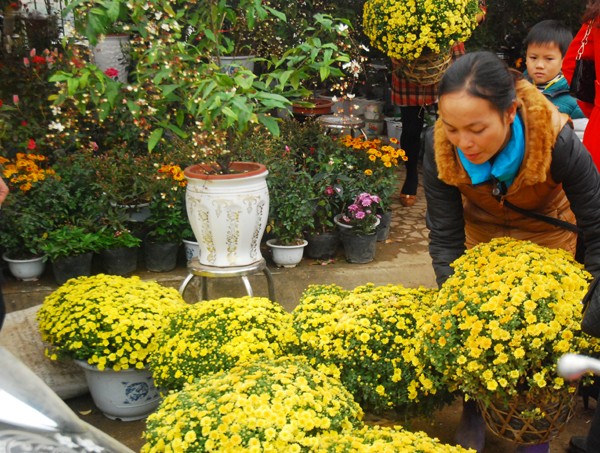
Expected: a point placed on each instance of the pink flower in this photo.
(329, 191)
(15, 99)
(26, 62)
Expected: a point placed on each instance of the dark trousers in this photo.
(410, 140)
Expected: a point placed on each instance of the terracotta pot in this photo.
(322, 107)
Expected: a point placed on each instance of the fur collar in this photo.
(542, 123)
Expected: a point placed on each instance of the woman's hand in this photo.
(3, 191)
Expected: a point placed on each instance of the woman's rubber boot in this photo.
(471, 429)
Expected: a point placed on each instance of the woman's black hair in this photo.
(481, 74)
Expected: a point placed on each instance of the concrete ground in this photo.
(402, 259)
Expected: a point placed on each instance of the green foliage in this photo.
(69, 240)
(290, 204)
(109, 237)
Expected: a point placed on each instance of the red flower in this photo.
(39, 60)
(23, 123)
(112, 73)
(31, 145)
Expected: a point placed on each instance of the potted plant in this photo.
(290, 211)
(70, 248)
(214, 124)
(419, 34)
(230, 330)
(376, 165)
(358, 228)
(376, 326)
(24, 219)
(109, 329)
(118, 249)
(224, 410)
(498, 337)
(167, 222)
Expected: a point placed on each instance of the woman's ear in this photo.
(511, 112)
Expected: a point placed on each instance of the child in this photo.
(546, 44)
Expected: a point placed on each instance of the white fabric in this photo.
(579, 125)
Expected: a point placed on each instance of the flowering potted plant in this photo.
(360, 217)
(273, 404)
(167, 222)
(108, 324)
(230, 330)
(358, 228)
(23, 221)
(23, 118)
(498, 327)
(375, 344)
(419, 34)
(406, 30)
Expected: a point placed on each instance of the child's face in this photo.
(543, 61)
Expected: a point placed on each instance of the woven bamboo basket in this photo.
(510, 421)
(428, 69)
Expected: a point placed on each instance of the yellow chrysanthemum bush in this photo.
(406, 29)
(107, 320)
(218, 334)
(277, 405)
(503, 319)
(382, 439)
(370, 335)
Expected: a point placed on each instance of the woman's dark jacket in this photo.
(557, 178)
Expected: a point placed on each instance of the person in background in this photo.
(591, 51)
(499, 140)
(413, 100)
(3, 194)
(546, 45)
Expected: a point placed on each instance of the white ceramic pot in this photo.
(286, 255)
(228, 213)
(192, 249)
(393, 127)
(229, 63)
(124, 395)
(113, 52)
(28, 270)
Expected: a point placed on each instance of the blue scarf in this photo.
(507, 162)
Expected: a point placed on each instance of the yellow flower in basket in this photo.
(407, 29)
(504, 318)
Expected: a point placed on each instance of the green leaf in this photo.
(154, 138)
